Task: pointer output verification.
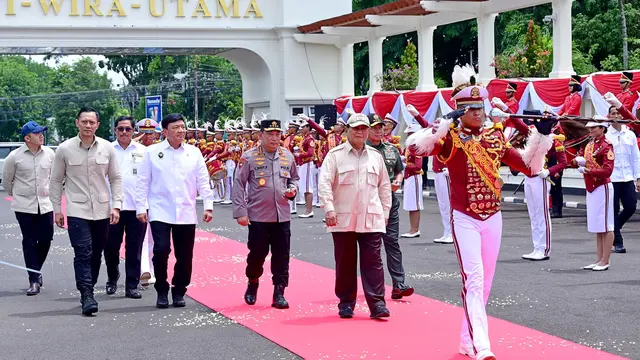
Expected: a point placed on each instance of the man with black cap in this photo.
(266, 180)
(395, 169)
(626, 96)
(26, 175)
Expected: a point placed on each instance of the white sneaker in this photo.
(411, 235)
(590, 267)
(227, 202)
(300, 203)
(294, 211)
(318, 205)
(444, 240)
(466, 349)
(304, 216)
(536, 255)
(601, 267)
(217, 201)
(485, 355)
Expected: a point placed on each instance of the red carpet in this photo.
(419, 328)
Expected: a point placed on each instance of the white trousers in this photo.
(218, 190)
(306, 172)
(444, 203)
(412, 193)
(477, 246)
(146, 265)
(600, 209)
(536, 191)
(231, 168)
(316, 173)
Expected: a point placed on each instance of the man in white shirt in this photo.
(129, 155)
(26, 175)
(626, 172)
(170, 176)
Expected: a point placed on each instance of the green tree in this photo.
(404, 75)
(531, 57)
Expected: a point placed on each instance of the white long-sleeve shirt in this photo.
(170, 179)
(129, 160)
(626, 166)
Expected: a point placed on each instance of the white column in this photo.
(562, 40)
(426, 79)
(346, 70)
(486, 47)
(375, 64)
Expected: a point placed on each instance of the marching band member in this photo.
(217, 149)
(626, 96)
(473, 154)
(227, 156)
(412, 188)
(316, 162)
(596, 165)
(441, 182)
(289, 143)
(306, 168)
(536, 191)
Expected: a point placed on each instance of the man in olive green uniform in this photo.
(265, 180)
(393, 161)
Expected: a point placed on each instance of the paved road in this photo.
(595, 309)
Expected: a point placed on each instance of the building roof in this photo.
(358, 18)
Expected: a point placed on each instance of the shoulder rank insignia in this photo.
(610, 155)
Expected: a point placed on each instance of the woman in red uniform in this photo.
(596, 165)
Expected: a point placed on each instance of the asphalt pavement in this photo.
(555, 296)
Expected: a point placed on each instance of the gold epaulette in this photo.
(498, 126)
(559, 137)
(559, 148)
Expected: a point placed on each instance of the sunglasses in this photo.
(124, 129)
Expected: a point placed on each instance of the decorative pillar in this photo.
(486, 47)
(426, 80)
(346, 70)
(375, 64)
(562, 40)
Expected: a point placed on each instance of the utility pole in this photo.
(195, 92)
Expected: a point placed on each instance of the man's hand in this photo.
(114, 217)
(290, 192)
(59, 219)
(207, 216)
(638, 186)
(454, 115)
(243, 221)
(142, 217)
(331, 218)
(395, 185)
(580, 161)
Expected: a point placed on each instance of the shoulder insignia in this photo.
(610, 155)
(559, 148)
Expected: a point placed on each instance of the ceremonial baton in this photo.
(19, 267)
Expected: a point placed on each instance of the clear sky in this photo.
(116, 78)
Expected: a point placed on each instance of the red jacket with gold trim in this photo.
(600, 157)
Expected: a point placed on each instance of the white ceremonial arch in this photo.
(278, 73)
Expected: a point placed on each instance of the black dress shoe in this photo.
(163, 301)
(251, 295)
(89, 304)
(178, 300)
(619, 249)
(380, 312)
(111, 287)
(556, 216)
(400, 290)
(34, 289)
(345, 312)
(40, 281)
(279, 301)
(133, 294)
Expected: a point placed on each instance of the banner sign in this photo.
(153, 105)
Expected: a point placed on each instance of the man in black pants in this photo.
(129, 156)
(266, 179)
(83, 164)
(170, 175)
(557, 200)
(26, 176)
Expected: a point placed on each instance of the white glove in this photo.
(445, 171)
(612, 100)
(295, 149)
(303, 117)
(412, 110)
(213, 158)
(543, 174)
(497, 115)
(581, 161)
(497, 102)
(581, 169)
(237, 148)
